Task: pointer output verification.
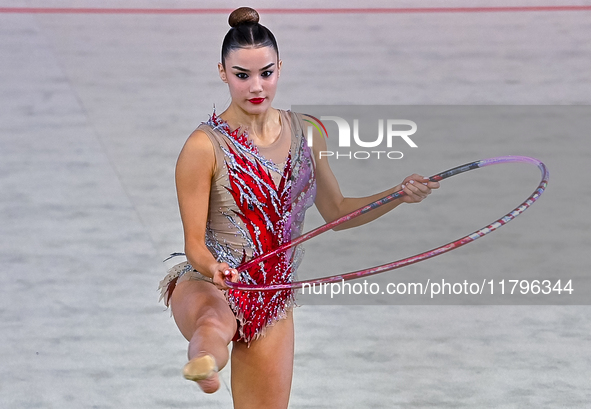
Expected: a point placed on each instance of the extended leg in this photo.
(206, 321)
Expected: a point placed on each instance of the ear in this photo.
(279, 64)
(222, 72)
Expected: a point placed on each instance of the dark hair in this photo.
(246, 32)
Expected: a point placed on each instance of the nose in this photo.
(256, 85)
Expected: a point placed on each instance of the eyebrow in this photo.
(245, 70)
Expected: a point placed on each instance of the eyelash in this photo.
(264, 74)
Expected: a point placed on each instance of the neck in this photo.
(263, 129)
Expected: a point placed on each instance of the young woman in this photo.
(244, 180)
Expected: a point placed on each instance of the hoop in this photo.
(412, 259)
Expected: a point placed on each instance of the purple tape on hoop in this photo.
(409, 260)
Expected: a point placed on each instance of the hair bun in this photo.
(243, 15)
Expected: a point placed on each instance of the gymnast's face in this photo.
(251, 75)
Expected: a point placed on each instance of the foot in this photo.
(204, 371)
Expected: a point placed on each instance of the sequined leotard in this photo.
(257, 202)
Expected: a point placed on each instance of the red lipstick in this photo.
(256, 100)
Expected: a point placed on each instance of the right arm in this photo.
(194, 171)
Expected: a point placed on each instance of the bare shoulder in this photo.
(198, 141)
(198, 152)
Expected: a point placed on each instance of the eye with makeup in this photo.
(266, 74)
(241, 75)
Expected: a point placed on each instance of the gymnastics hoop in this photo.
(409, 260)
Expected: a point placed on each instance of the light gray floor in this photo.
(93, 112)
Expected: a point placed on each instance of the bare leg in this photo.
(262, 373)
(206, 321)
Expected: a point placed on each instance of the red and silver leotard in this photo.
(257, 202)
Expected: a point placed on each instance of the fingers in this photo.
(431, 185)
(418, 188)
(416, 191)
(224, 273)
(232, 275)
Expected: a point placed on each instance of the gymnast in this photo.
(244, 181)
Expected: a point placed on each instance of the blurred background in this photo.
(96, 105)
